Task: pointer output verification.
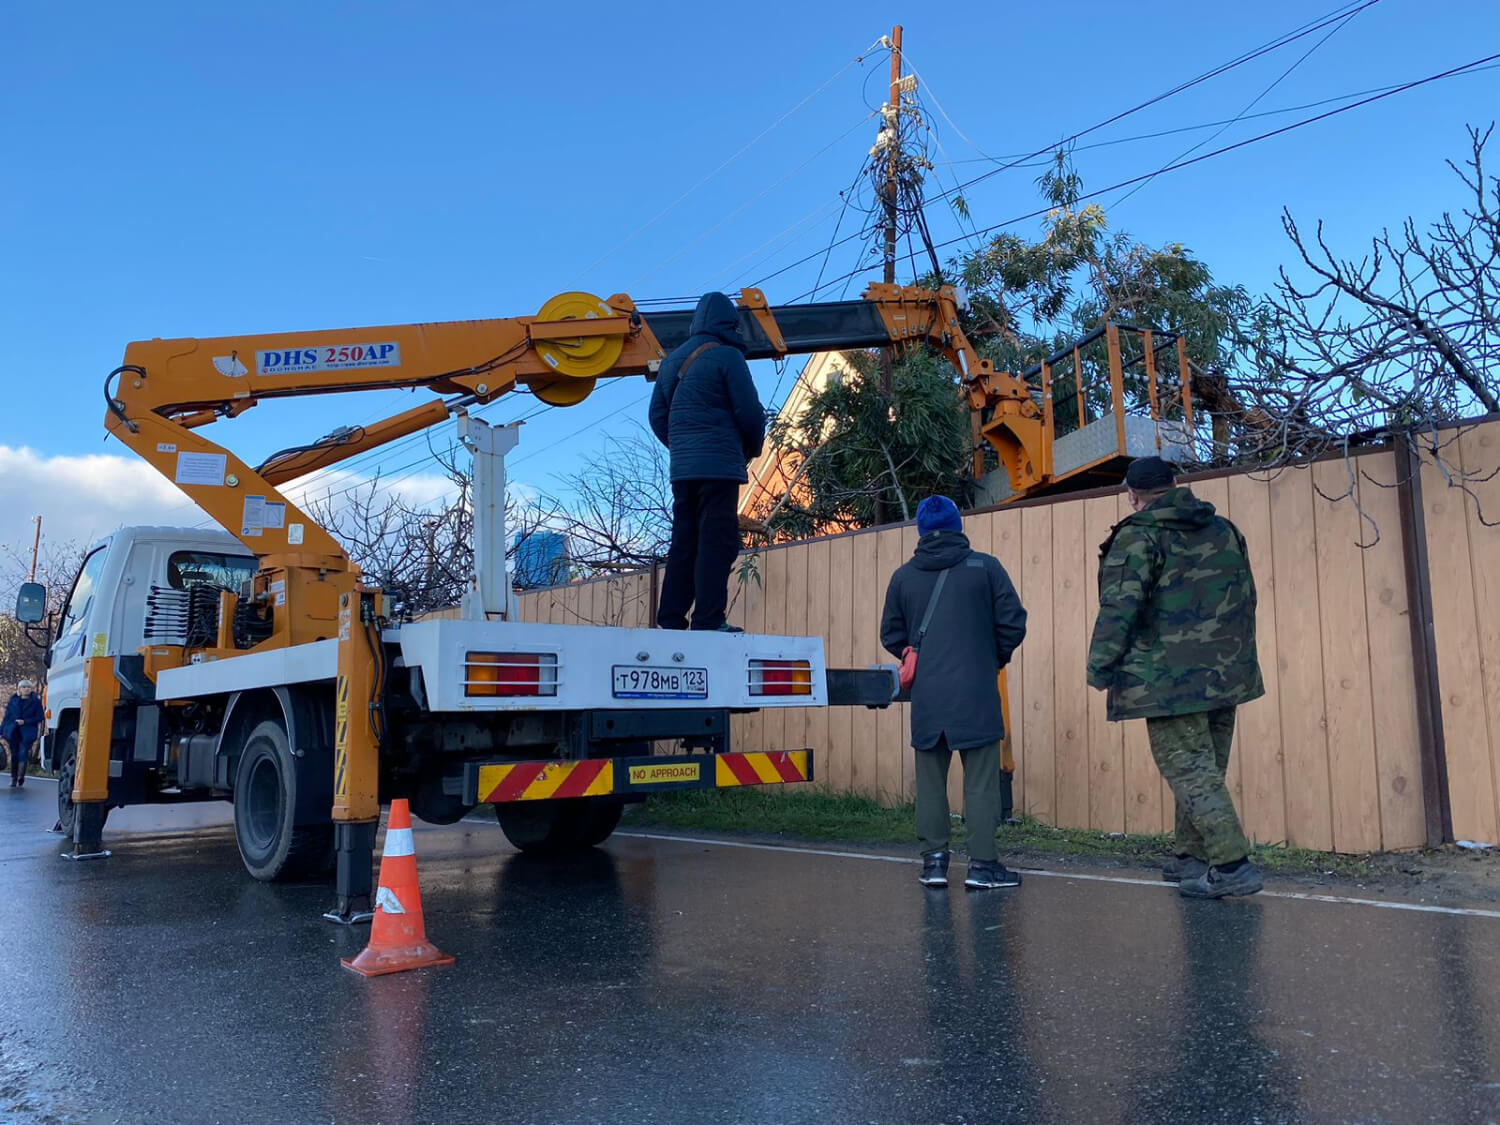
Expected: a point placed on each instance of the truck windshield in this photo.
(82, 596)
(208, 568)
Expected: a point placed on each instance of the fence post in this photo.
(1436, 803)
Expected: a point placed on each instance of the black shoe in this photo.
(934, 870)
(1218, 883)
(989, 876)
(728, 628)
(1183, 867)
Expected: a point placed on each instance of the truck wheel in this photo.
(600, 818)
(272, 845)
(539, 826)
(558, 826)
(430, 803)
(67, 811)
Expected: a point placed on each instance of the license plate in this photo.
(641, 682)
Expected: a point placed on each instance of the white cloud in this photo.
(81, 498)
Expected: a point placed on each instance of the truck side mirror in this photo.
(31, 603)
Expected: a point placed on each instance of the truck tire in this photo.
(539, 826)
(272, 845)
(554, 827)
(600, 818)
(67, 773)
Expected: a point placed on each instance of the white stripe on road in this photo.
(1303, 896)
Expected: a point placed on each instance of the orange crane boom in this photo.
(164, 395)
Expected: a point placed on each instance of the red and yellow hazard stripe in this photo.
(538, 781)
(600, 777)
(761, 767)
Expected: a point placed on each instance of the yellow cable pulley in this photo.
(579, 360)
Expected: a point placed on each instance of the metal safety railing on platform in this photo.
(1118, 393)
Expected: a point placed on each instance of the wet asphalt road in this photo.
(672, 981)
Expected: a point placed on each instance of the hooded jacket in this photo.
(977, 624)
(710, 420)
(1176, 628)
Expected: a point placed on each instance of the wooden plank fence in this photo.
(1329, 758)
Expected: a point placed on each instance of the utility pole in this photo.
(36, 545)
(891, 128)
(893, 156)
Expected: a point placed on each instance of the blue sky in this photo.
(198, 170)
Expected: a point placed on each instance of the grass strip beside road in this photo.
(815, 815)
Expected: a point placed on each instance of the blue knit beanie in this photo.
(938, 513)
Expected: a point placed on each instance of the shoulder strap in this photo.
(683, 370)
(693, 355)
(931, 605)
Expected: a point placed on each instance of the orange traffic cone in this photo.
(398, 936)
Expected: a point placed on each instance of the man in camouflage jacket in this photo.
(1174, 644)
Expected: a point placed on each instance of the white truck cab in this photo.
(107, 609)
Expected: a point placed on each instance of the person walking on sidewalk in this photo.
(20, 728)
(704, 409)
(959, 609)
(1174, 644)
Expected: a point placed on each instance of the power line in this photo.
(814, 217)
(1486, 63)
(383, 454)
(1392, 91)
(1343, 11)
(1276, 44)
(686, 246)
(1252, 103)
(669, 208)
(1278, 112)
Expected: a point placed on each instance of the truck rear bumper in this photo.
(494, 783)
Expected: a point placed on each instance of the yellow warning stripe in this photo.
(537, 781)
(761, 767)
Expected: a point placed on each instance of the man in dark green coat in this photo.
(1174, 644)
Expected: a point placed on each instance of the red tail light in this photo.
(510, 673)
(780, 677)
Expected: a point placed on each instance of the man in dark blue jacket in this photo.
(706, 412)
(976, 623)
(20, 728)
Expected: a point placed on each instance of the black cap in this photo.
(1149, 474)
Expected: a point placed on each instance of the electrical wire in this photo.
(1390, 92)
(1276, 44)
(1279, 112)
(845, 195)
(669, 208)
(1340, 17)
(812, 220)
(1252, 103)
(690, 243)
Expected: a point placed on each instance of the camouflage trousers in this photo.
(1192, 752)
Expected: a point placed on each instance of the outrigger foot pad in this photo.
(88, 827)
(348, 916)
(354, 847)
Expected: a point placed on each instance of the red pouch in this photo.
(908, 673)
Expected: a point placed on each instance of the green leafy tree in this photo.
(1033, 298)
(865, 456)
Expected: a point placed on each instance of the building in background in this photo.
(539, 558)
(776, 472)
